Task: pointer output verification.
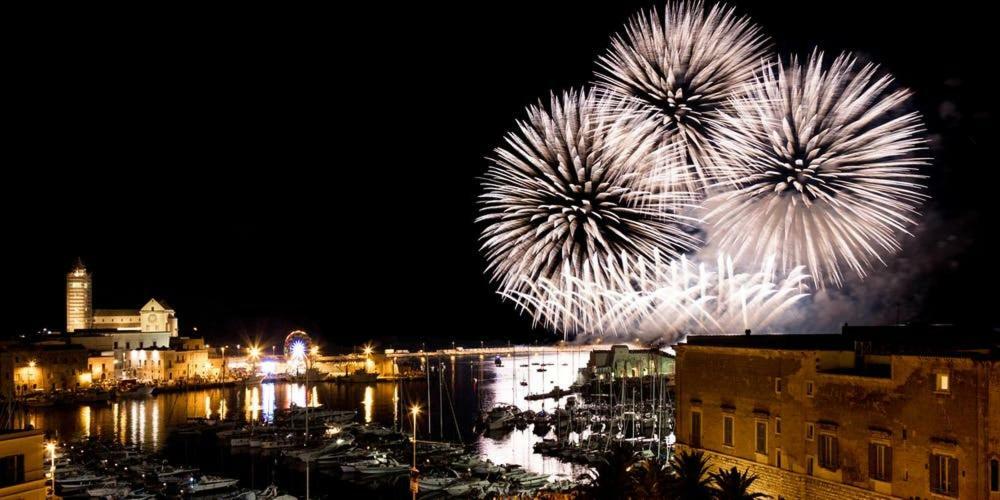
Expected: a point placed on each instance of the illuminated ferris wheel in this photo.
(297, 345)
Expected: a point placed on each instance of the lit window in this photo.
(727, 430)
(761, 441)
(942, 383)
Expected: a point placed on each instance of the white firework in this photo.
(669, 301)
(681, 67)
(575, 194)
(832, 169)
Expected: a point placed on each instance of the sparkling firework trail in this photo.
(574, 194)
(681, 67)
(832, 172)
(669, 301)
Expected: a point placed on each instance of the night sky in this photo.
(264, 170)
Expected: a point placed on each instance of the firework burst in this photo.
(574, 194)
(681, 67)
(832, 169)
(668, 301)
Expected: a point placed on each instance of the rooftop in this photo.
(942, 340)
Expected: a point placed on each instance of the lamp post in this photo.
(415, 410)
(223, 364)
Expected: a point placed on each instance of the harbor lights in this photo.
(415, 410)
(51, 448)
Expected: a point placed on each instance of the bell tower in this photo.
(79, 298)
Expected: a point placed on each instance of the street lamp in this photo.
(415, 410)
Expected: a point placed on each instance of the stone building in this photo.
(167, 366)
(22, 473)
(621, 362)
(26, 369)
(79, 299)
(870, 413)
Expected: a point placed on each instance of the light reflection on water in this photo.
(468, 385)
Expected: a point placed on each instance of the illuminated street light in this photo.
(415, 410)
(31, 364)
(368, 350)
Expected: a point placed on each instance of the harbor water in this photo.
(459, 388)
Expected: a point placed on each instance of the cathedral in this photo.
(152, 325)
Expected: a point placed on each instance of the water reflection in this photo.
(469, 385)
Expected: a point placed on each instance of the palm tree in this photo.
(735, 485)
(611, 477)
(690, 479)
(650, 478)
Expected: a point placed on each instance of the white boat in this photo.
(210, 483)
(82, 481)
(466, 487)
(108, 492)
(276, 444)
(239, 441)
(436, 483)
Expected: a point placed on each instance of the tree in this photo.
(734, 485)
(689, 479)
(611, 477)
(650, 479)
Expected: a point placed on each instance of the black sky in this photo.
(262, 170)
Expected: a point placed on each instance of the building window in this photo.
(116, 344)
(942, 382)
(727, 430)
(777, 385)
(777, 426)
(809, 465)
(810, 431)
(777, 458)
(944, 475)
(880, 461)
(829, 452)
(809, 388)
(994, 475)
(128, 345)
(11, 470)
(761, 441)
(696, 429)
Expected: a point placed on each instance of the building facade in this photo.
(79, 299)
(28, 369)
(22, 474)
(621, 362)
(870, 413)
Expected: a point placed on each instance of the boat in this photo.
(360, 376)
(498, 361)
(111, 492)
(210, 483)
(465, 488)
(133, 389)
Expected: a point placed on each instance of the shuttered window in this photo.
(944, 475)
(829, 452)
(696, 429)
(727, 430)
(880, 461)
(761, 438)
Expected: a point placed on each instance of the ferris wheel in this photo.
(297, 344)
